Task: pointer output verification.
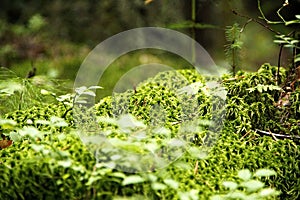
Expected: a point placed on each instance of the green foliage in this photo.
(248, 187)
(233, 46)
(26, 93)
(48, 160)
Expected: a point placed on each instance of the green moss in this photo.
(30, 174)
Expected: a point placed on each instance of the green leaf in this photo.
(260, 88)
(58, 122)
(198, 153)
(152, 177)
(32, 132)
(90, 93)
(128, 122)
(133, 179)
(37, 147)
(230, 185)
(236, 195)
(14, 136)
(95, 87)
(93, 179)
(244, 174)
(189, 195)
(65, 163)
(7, 124)
(80, 90)
(264, 173)
(297, 59)
(158, 186)
(268, 192)
(252, 185)
(217, 197)
(171, 183)
(39, 121)
(279, 41)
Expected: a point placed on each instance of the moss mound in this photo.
(60, 166)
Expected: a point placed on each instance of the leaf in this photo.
(189, 195)
(244, 174)
(5, 143)
(236, 195)
(95, 87)
(133, 179)
(268, 192)
(264, 173)
(58, 122)
(251, 90)
(107, 120)
(253, 185)
(90, 93)
(171, 183)
(65, 163)
(198, 153)
(158, 186)
(279, 41)
(152, 177)
(176, 143)
(14, 136)
(217, 197)
(260, 88)
(128, 122)
(230, 185)
(39, 121)
(7, 123)
(190, 89)
(80, 90)
(32, 132)
(93, 179)
(37, 147)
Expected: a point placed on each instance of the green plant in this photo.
(233, 46)
(48, 159)
(248, 187)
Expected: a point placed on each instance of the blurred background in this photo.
(55, 36)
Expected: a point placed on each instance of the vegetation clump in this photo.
(48, 160)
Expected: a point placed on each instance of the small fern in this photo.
(233, 46)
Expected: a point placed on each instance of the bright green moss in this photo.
(27, 174)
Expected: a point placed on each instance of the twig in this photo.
(244, 135)
(280, 136)
(256, 21)
(273, 136)
(196, 167)
(278, 13)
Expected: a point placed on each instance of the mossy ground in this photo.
(60, 166)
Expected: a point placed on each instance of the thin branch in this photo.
(256, 21)
(278, 13)
(280, 136)
(244, 26)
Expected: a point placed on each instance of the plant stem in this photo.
(279, 63)
(193, 31)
